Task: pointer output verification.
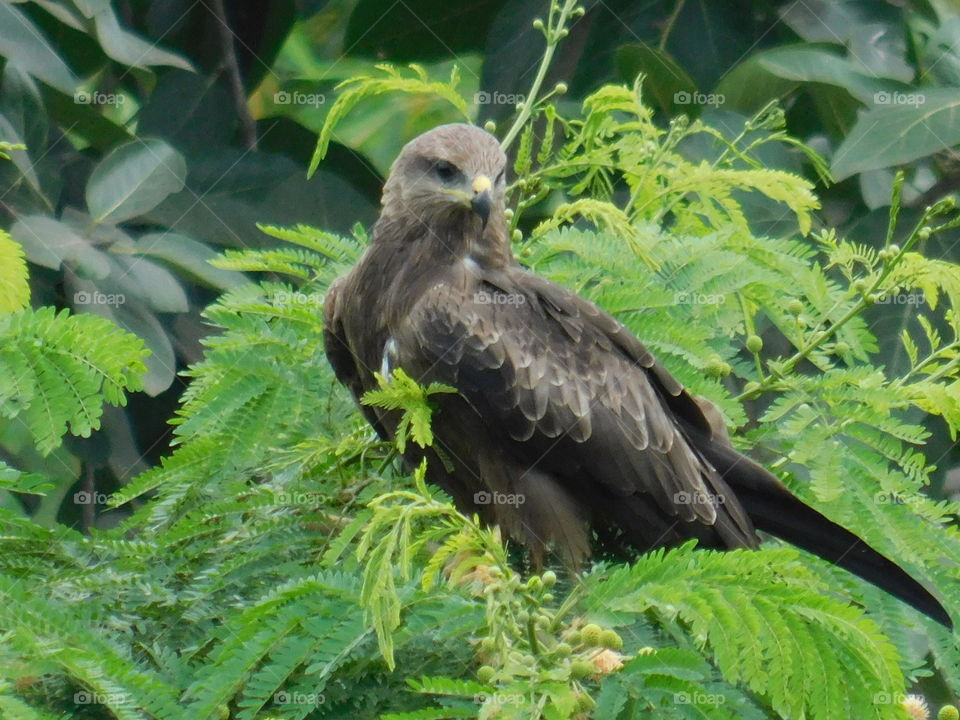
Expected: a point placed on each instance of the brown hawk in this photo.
(565, 430)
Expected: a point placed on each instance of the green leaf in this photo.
(23, 44)
(902, 127)
(51, 243)
(187, 255)
(663, 78)
(815, 65)
(134, 179)
(125, 47)
(14, 284)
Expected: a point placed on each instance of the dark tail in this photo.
(775, 510)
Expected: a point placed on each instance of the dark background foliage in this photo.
(209, 80)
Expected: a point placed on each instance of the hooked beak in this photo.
(481, 202)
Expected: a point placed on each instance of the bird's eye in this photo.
(445, 171)
(500, 177)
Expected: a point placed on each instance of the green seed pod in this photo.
(591, 634)
(948, 712)
(580, 669)
(794, 307)
(563, 650)
(924, 232)
(585, 703)
(754, 343)
(549, 579)
(841, 348)
(490, 126)
(485, 674)
(610, 639)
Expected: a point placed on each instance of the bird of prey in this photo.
(564, 430)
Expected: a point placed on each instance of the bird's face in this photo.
(451, 171)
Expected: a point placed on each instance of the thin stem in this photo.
(553, 34)
(751, 330)
(825, 334)
(668, 28)
(225, 34)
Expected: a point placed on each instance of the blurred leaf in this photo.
(834, 21)
(881, 50)
(134, 179)
(205, 114)
(18, 156)
(22, 43)
(893, 134)
(156, 286)
(228, 192)
(51, 243)
(125, 47)
(663, 78)
(162, 362)
(813, 64)
(749, 86)
(190, 256)
(84, 121)
(20, 103)
(708, 38)
(15, 481)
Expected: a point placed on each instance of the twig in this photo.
(248, 128)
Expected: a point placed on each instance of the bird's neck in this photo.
(446, 240)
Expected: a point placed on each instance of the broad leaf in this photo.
(895, 133)
(134, 179)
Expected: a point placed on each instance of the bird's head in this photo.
(453, 172)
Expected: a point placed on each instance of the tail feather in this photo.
(775, 510)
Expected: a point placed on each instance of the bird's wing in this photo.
(571, 391)
(339, 353)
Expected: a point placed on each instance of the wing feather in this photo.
(571, 393)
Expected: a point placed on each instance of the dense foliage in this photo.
(280, 563)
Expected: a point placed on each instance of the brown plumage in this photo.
(565, 430)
